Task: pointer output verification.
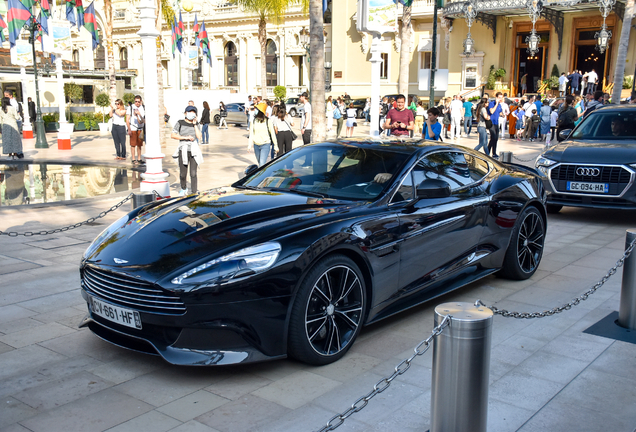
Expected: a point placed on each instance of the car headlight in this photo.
(245, 262)
(105, 234)
(543, 163)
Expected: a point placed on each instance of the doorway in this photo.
(533, 67)
(588, 57)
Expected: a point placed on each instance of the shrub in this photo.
(500, 73)
(474, 98)
(554, 82)
(51, 118)
(73, 91)
(555, 71)
(280, 92)
(100, 117)
(128, 98)
(628, 81)
(490, 84)
(102, 100)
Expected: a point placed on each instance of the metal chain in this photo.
(384, 383)
(523, 160)
(69, 227)
(567, 306)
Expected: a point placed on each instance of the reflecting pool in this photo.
(23, 184)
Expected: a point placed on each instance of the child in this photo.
(432, 128)
(519, 126)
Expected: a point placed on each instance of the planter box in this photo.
(103, 128)
(80, 126)
(51, 127)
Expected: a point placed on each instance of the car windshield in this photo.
(607, 125)
(332, 171)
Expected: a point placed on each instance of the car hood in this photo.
(179, 232)
(609, 152)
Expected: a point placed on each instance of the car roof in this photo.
(406, 145)
(616, 107)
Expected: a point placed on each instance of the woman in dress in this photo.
(282, 126)
(205, 123)
(482, 130)
(118, 129)
(11, 140)
(223, 115)
(329, 111)
(351, 119)
(545, 121)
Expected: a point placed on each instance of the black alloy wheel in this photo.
(217, 119)
(526, 246)
(328, 312)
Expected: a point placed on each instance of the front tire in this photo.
(328, 311)
(293, 112)
(526, 246)
(217, 119)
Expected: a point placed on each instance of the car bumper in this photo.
(204, 335)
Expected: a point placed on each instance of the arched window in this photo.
(271, 65)
(231, 65)
(123, 58)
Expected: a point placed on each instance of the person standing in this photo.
(135, 120)
(432, 128)
(420, 116)
(545, 113)
(567, 116)
(205, 123)
(503, 118)
(11, 140)
(384, 110)
(283, 129)
(563, 84)
(16, 105)
(222, 115)
(329, 112)
(575, 81)
(32, 113)
(494, 111)
(118, 129)
(524, 84)
(248, 108)
(592, 79)
(351, 119)
(188, 153)
(337, 114)
(261, 134)
(456, 113)
(367, 110)
(400, 120)
(468, 117)
(482, 130)
(305, 124)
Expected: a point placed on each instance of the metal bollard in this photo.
(461, 365)
(142, 198)
(505, 156)
(627, 309)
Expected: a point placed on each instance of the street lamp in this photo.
(533, 43)
(305, 40)
(535, 7)
(470, 12)
(603, 38)
(32, 26)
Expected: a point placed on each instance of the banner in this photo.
(60, 33)
(21, 53)
(193, 58)
(377, 16)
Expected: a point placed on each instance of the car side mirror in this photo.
(250, 169)
(565, 134)
(433, 188)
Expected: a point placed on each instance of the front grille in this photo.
(127, 291)
(617, 177)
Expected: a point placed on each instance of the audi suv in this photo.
(595, 165)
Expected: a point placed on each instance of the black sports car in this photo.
(297, 256)
(596, 165)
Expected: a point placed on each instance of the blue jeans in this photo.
(205, 134)
(261, 152)
(468, 125)
(483, 139)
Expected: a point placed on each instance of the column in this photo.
(243, 66)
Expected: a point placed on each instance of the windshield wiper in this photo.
(301, 192)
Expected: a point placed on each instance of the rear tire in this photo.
(293, 112)
(526, 246)
(328, 311)
(217, 119)
(553, 208)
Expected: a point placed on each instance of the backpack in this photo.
(336, 113)
(385, 110)
(564, 121)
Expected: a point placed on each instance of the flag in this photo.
(203, 37)
(28, 4)
(17, 15)
(3, 25)
(178, 34)
(80, 13)
(46, 7)
(325, 4)
(90, 24)
(404, 2)
(180, 26)
(174, 40)
(70, 12)
(44, 22)
(195, 28)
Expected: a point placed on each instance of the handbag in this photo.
(141, 135)
(488, 123)
(294, 136)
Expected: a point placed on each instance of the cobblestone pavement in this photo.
(546, 374)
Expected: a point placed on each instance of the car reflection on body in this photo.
(596, 165)
(297, 256)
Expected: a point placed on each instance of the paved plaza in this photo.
(546, 374)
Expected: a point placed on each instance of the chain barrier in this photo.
(523, 160)
(384, 383)
(69, 227)
(567, 306)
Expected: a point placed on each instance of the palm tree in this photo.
(405, 54)
(623, 44)
(317, 70)
(266, 10)
(108, 12)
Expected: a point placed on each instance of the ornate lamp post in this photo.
(602, 37)
(535, 7)
(470, 12)
(305, 39)
(32, 26)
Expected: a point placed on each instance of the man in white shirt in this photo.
(592, 78)
(456, 112)
(505, 110)
(563, 84)
(305, 122)
(135, 120)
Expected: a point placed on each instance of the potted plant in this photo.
(102, 100)
(51, 122)
(500, 74)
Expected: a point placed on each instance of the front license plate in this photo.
(116, 314)
(588, 187)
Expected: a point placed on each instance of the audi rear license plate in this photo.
(588, 187)
(116, 314)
